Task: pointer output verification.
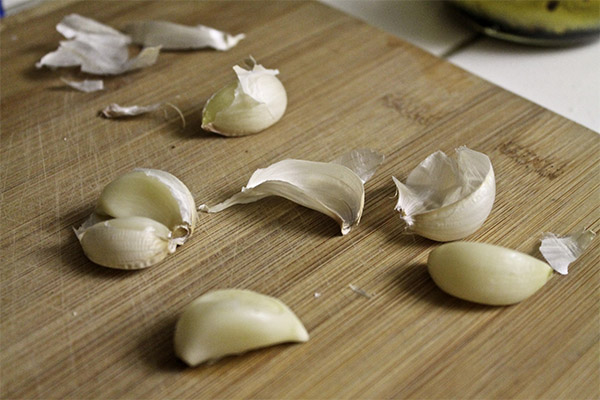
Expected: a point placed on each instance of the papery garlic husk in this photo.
(115, 110)
(233, 321)
(153, 194)
(249, 105)
(96, 48)
(126, 243)
(330, 188)
(87, 85)
(447, 199)
(486, 274)
(172, 36)
(77, 26)
(562, 251)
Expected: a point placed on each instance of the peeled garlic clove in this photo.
(447, 199)
(153, 194)
(249, 105)
(233, 321)
(487, 274)
(126, 243)
(330, 188)
(562, 251)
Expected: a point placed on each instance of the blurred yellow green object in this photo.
(535, 21)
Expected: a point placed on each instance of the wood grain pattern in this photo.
(71, 329)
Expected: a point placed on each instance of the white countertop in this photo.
(565, 80)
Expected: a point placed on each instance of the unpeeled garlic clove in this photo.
(487, 274)
(249, 105)
(154, 194)
(126, 243)
(140, 218)
(330, 188)
(446, 199)
(233, 321)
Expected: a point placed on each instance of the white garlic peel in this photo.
(87, 85)
(115, 110)
(172, 36)
(330, 188)
(447, 199)
(562, 251)
(140, 218)
(249, 105)
(233, 321)
(486, 274)
(96, 48)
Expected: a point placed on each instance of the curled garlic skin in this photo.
(172, 36)
(447, 199)
(333, 188)
(560, 251)
(251, 104)
(233, 321)
(140, 218)
(96, 48)
(486, 274)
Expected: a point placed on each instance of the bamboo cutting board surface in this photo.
(72, 329)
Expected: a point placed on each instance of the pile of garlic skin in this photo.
(99, 49)
(139, 219)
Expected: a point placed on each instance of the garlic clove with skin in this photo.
(447, 199)
(233, 321)
(140, 218)
(154, 194)
(249, 105)
(330, 188)
(126, 243)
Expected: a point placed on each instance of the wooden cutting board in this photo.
(72, 329)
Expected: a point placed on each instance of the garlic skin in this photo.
(562, 251)
(486, 274)
(127, 243)
(330, 188)
(97, 48)
(249, 105)
(173, 36)
(87, 85)
(446, 199)
(233, 321)
(140, 218)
